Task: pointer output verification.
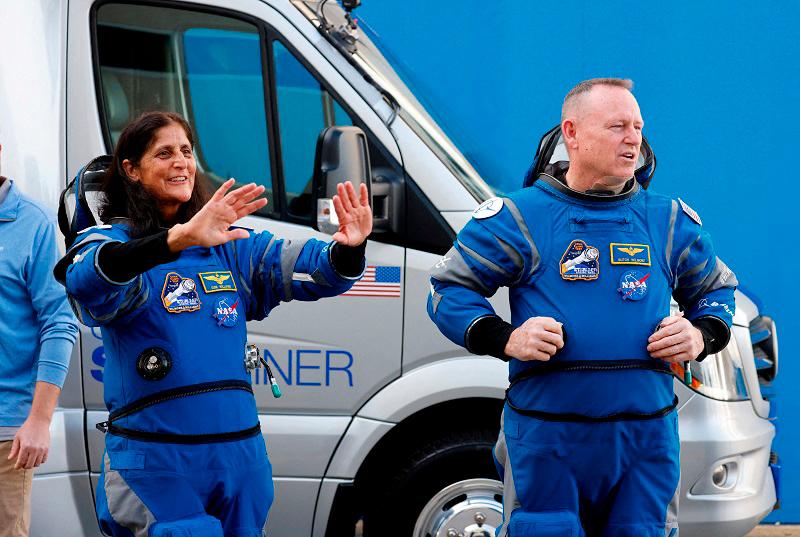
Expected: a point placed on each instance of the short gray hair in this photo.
(582, 88)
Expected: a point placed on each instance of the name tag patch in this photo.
(580, 262)
(630, 254)
(214, 282)
(179, 294)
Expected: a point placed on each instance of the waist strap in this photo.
(544, 368)
(169, 395)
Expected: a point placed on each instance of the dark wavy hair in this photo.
(126, 198)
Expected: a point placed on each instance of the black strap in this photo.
(544, 368)
(176, 393)
(570, 416)
(173, 438)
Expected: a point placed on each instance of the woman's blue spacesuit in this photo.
(184, 450)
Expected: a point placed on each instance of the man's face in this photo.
(608, 134)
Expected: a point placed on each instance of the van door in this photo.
(257, 94)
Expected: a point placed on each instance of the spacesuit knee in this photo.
(557, 523)
(199, 526)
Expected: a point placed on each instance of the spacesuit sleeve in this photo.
(95, 298)
(280, 270)
(703, 285)
(488, 253)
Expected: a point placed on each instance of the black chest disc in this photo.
(154, 363)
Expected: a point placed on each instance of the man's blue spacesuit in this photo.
(590, 436)
(184, 453)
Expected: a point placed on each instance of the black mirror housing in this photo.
(342, 155)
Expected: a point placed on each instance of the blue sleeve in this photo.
(488, 253)
(58, 328)
(279, 270)
(703, 284)
(96, 299)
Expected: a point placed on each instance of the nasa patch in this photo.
(225, 311)
(580, 262)
(633, 285)
(179, 294)
(488, 208)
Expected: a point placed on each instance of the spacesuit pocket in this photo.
(558, 523)
(200, 526)
(126, 460)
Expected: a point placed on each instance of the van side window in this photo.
(305, 107)
(206, 67)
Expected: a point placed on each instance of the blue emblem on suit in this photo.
(633, 285)
(225, 311)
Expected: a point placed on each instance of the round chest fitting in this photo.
(153, 363)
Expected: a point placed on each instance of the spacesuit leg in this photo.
(243, 496)
(135, 501)
(540, 494)
(646, 502)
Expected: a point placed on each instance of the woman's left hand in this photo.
(355, 215)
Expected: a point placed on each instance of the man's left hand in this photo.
(31, 444)
(676, 340)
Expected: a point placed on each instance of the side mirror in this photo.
(342, 155)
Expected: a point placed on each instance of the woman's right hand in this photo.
(211, 225)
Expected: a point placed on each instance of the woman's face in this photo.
(166, 169)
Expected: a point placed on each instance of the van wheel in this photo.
(448, 483)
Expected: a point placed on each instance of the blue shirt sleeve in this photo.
(58, 328)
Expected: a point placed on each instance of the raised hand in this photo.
(210, 226)
(354, 213)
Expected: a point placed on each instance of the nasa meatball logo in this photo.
(225, 311)
(488, 208)
(179, 294)
(633, 285)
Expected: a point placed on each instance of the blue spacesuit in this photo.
(184, 453)
(589, 440)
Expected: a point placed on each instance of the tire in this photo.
(427, 488)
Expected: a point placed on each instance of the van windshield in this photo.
(369, 54)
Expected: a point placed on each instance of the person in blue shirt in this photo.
(589, 441)
(37, 332)
(172, 284)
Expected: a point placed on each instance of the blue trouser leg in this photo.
(163, 490)
(615, 479)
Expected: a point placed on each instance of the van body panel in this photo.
(445, 380)
(358, 441)
(301, 446)
(63, 505)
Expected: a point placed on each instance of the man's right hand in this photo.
(538, 338)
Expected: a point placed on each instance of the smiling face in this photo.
(166, 169)
(604, 136)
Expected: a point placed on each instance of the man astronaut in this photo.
(589, 441)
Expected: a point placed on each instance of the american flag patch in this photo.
(377, 282)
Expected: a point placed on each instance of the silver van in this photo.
(394, 426)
